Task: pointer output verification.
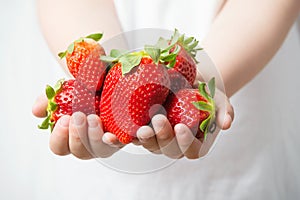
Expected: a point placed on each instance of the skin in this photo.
(83, 136)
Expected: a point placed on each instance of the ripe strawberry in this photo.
(83, 61)
(179, 55)
(193, 107)
(66, 98)
(132, 88)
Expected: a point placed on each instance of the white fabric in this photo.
(134, 14)
(256, 159)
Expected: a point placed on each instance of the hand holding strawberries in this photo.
(98, 113)
(78, 134)
(70, 137)
(180, 141)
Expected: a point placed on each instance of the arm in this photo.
(63, 21)
(246, 35)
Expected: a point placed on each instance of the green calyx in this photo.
(164, 51)
(190, 44)
(52, 106)
(208, 106)
(95, 36)
(129, 60)
(159, 53)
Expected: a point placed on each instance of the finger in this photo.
(227, 122)
(165, 136)
(147, 138)
(39, 108)
(230, 110)
(95, 133)
(189, 145)
(112, 140)
(136, 142)
(224, 116)
(59, 139)
(78, 135)
(225, 112)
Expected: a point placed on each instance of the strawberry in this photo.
(66, 98)
(179, 55)
(185, 62)
(193, 107)
(83, 61)
(132, 88)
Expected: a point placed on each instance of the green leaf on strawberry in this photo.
(71, 48)
(204, 126)
(45, 124)
(61, 55)
(189, 44)
(162, 43)
(117, 53)
(202, 91)
(109, 59)
(52, 106)
(212, 87)
(153, 51)
(208, 105)
(130, 61)
(201, 105)
(50, 93)
(95, 36)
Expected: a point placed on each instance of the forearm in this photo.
(64, 21)
(246, 35)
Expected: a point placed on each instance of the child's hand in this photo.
(180, 142)
(78, 134)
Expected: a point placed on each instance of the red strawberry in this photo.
(179, 54)
(183, 73)
(192, 107)
(66, 98)
(83, 61)
(132, 88)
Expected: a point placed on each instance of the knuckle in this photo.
(164, 135)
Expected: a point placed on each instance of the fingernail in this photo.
(106, 140)
(78, 118)
(180, 130)
(64, 121)
(143, 133)
(227, 122)
(159, 122)
(228, 118)
(93, 121)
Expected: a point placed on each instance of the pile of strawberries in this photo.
(127, 88)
